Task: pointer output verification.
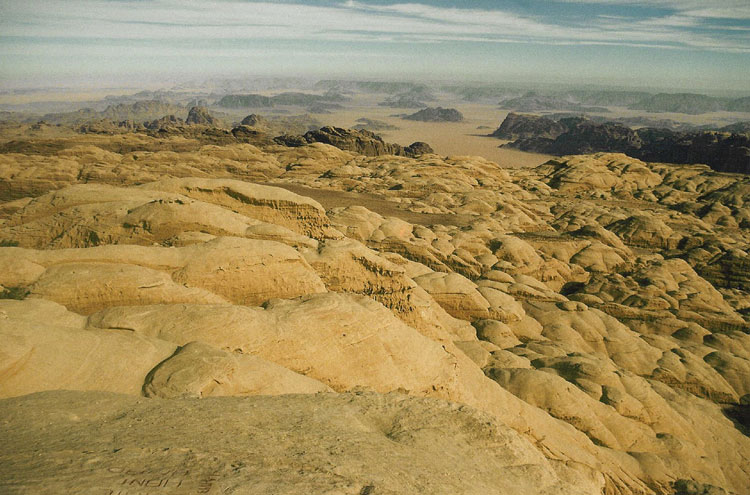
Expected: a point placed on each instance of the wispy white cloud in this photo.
(717, 9)
(197, 22)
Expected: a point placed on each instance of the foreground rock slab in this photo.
(354, 443)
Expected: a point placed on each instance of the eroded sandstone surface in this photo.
(433, 324)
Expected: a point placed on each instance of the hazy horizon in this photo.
(629, 43)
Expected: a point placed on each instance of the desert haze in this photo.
(375, 247)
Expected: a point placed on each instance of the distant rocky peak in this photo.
(201, 116)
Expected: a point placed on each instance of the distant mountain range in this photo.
(691, 103)
(287, 98)
(138, 112)
(597, 101)
(534, 102)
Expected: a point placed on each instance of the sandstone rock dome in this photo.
(279, 319)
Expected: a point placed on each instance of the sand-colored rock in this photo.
(90, 215)
(368, 443)
(268, 204)
(596, 306)
(46, 347)
(225, 269)
(199, 370)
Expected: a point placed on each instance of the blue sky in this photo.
(668, 43)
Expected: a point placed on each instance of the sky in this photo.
(701, 44)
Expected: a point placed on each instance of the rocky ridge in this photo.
(723, 151)
(355, 140)
(436, 114)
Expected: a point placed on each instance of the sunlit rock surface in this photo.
(430, 324)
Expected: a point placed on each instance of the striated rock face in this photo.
(90, 279)
(369, 324)
(436, 114)
(358, 141)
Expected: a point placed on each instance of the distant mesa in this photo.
(277, 125)
(535, 102)
(245, 101)
(140, 111)
(386, 87)
(690, 103)
(359, 141)
(374, 125)
(136, 111)
(282, 99)
(299, 98)
(724, 152)
(403, 101)
(640, 121)
(438, 114)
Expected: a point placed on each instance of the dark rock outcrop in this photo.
(249, 134)
(723, 152)
(255, 120)
(579, 135)
(737, 128)
(519, 126)
(359, 141)
(278, 125)
(164, 122)
(418, 148)
(589, 137)
(109, 127)
(200, 116)
(439, 114)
